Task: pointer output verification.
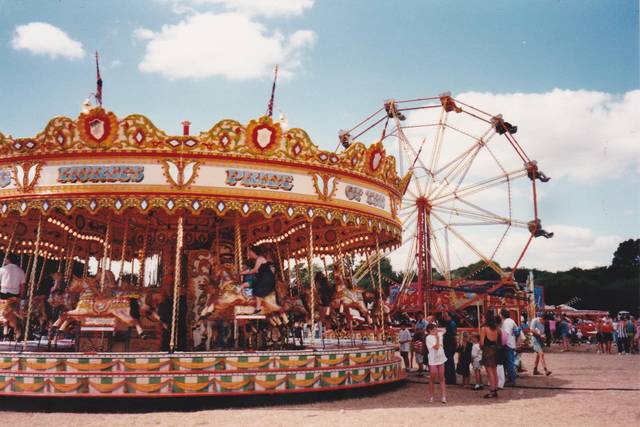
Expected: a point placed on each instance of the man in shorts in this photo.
(538, 337)
(12, 281)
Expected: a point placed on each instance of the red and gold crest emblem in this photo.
(98, 128)
(263, 135)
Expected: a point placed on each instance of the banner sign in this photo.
(116, 173)
(253, 179)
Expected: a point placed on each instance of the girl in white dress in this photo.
(436, 361)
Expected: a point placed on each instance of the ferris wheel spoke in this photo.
(480, 186)
(490, 217)
(437, 147)
(448, 254)
(410, 219)
(462, 163)
(464, 224)
(480, 209)
(475, 250)
(447, 180)
(439, 253)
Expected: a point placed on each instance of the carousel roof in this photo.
(258, 171)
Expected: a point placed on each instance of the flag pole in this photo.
(273, 93)
(98, 94)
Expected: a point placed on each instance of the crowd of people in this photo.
(436, 348)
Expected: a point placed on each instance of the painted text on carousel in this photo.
(116, 173)
(253, 179)
(372, 198)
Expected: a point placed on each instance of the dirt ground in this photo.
(586, 389)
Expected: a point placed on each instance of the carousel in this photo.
(138, 249)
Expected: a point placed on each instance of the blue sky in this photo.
(341, 60)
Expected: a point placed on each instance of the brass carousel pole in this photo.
(31, 256)
(324, 263)
(107, 243)
(69, 266)
(63, 257)
(44, 264)
(311, 281)
(298, 278)
(85, 270)
(176, 284)
(10, 244)
(280, 264)
(341, 261)
(373, 284)
(380, 289)
(32, 281)
(143, 257)
(217, 231)
(238, 246)
(125, 237)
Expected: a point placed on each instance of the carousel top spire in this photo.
(98, 94)
(273, 93)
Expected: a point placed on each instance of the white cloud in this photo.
(572, 246)
(41, 38)
(580, 135)
(116, 63)
(269, 9)
(627, 212)
(230, 45)
(143, 34)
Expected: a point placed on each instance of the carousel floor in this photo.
(215, 373)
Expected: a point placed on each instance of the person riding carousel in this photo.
(326, 292)
(264, 281)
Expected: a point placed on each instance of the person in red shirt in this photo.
(607, 334)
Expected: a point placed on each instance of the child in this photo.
(417, 346)
(476, 357)
(404, 339)
(247, 278)
(464, 359)
(437, 359)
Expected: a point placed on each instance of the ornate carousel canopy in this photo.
(79, 172)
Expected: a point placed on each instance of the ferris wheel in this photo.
(470, 193)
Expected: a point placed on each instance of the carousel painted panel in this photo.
(200, 263)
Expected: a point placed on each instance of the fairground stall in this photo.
(133, 242)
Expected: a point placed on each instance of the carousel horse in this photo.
(290, 304)
(227, 299)
(126, 304)
(349, 302)
(10, 317)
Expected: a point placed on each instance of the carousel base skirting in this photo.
(215, 373)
